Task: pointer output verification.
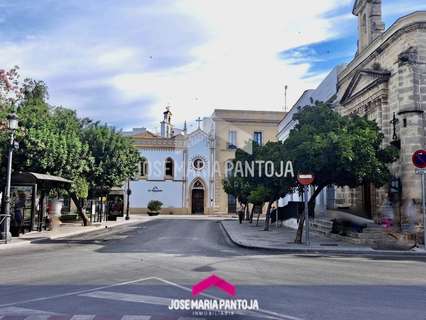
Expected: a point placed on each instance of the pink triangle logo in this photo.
(213, 281)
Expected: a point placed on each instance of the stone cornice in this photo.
(404, 24)
(169, 144)
(360, 105)
(381, 76)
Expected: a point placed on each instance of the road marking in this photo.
(128, 317)
(128, 297)
(75, 292)
(15, 311)
(38, 317)
(266, 313)
(83, 317)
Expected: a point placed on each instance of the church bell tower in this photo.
(166, 124)
(370, 23)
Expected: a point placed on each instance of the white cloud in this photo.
(238, 67)
(196, 55)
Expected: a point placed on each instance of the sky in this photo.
(122, 62)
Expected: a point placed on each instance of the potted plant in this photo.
(154, 207)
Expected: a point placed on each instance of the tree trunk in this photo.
(299, 232)
(311, 202)
(247, 212)
(258, 215)
(80, 211)
(251, 214)
(311, 211)
(268, 216)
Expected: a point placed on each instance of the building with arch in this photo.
(176, 169)
(185, 170)
(386, 82)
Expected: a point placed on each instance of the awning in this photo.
(44, 181)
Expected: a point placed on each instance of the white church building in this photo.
(176, 169)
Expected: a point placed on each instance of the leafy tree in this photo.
(10, 92)
(274, 186)
(115, 158)
(50, 141)
(341, 151)
(257, 198)
(54, 140)
(258, 187)
(238, 186)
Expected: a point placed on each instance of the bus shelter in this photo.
(29, 192)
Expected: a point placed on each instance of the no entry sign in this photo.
(305, 179)
(419, 159)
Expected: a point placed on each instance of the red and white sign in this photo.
(305, 179)
(419, 159)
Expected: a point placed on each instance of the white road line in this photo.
(128, 297)
(266, 313)
(129, 317)
(74, 293)
(38, 317)
(83, 317)
(16, 311)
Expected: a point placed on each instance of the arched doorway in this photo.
(197, 197)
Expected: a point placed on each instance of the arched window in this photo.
(143, 168)
(169, 168)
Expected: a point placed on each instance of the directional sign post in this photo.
(419, 161)
(305, 180)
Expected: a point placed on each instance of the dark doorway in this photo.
(367, 200)
(198, 201)
(232, 204)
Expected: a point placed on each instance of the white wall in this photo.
(170, 193)
(156, 162)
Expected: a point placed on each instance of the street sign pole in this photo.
(424, 209)
(305, 180)
(307, 240)
(419, 161)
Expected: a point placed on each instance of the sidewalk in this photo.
(282, 240)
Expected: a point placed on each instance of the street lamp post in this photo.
(128, 199)
(12, 125)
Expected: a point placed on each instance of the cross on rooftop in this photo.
(199, 122)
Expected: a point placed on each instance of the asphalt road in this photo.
(132, 273)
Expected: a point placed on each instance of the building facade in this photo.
(386, 82)
(176, 169)
(325, 92)
(234, 129)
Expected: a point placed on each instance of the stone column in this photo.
(412, 135)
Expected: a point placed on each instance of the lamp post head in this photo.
(12, 121)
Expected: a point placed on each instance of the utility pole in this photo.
(13, 125)
(285, 98)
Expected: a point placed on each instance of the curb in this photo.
(344, 252)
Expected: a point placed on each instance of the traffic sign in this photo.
(419, 159)
(420, 171)
(305, 179)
